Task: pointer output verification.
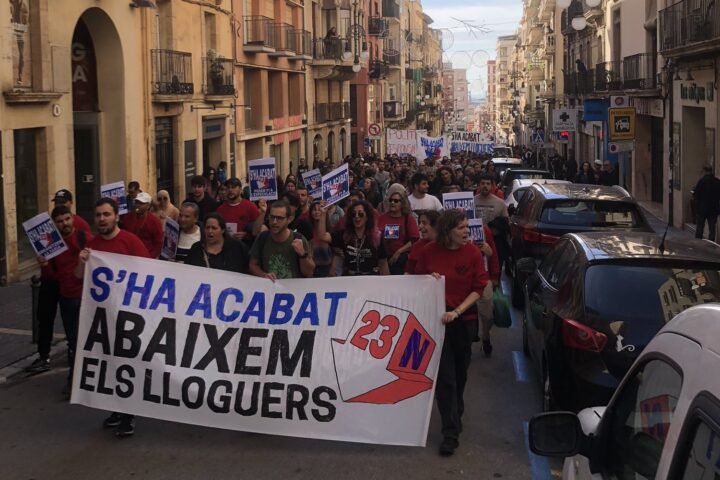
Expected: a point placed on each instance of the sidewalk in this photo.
(659, 226)
(16, 347)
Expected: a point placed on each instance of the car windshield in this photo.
(590, 213)
(502, 152)
(637, 301)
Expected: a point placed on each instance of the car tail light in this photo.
(533, 236)
(576, 335)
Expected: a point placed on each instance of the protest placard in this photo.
(460, 201)
(116, 191)
(170, 241)
(313, 182)
(402, 142)
(44, 236)
(432, 147)
(336, 185)
(351, 359)
(263, 179)
(477, 234)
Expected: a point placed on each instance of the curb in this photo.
(7, 373)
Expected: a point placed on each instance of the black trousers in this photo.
(452, 374)
(48, 298)
(700, 226)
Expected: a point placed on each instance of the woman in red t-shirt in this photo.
(399, 230)
(427, 223)
(461, 263)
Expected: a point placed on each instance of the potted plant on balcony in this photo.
(215, 69)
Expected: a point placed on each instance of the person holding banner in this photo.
(217, 249)
(398, 228)
(112, 239)
(360, 245)
(190, 232)
(461, 263)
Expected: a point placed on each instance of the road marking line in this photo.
(25, 333)
(520, 364)
(539, 466)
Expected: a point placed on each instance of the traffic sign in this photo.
(621, 124)
(374, 129)
(565, 120)
(622, 146)
(538, 136)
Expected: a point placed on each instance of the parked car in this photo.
(503, 163)
(596, 301)
(547, 212)
(663, 421)
(502, 151)
(519, 186)
(514, 173)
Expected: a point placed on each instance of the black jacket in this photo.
(234, 257)
(707, 195)
(206, 205)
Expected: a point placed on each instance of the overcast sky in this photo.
(464, 49)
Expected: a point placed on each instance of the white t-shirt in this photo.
(428, 202)
(186, 241)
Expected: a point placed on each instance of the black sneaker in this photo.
(39, 365)
(448, 446)
(112, 421)
(126, 427)
(487, 347)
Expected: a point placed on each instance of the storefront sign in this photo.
(654, 107)
(565, 120)
(697, 93)
(595, 110)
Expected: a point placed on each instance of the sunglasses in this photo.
(394, 200)
(357, 214)
(275, 218)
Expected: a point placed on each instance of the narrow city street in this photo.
(46, 438)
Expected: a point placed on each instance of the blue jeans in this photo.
(70, 313)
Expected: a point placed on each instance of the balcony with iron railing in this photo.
(608, 76)
(284, 41)
(330, 49)
(391, 57)
(303, 45)
(378, 26)
(322, 112)
(690, 23)
(336, 111)
(576, 83)
(259, 34)
(172, 73)
(378, 69)
(391, 9)
(219, 79)
(640, 71)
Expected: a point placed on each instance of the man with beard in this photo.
(49, 295)
(238, 212)
(444, 178)
(112, 239)
(281, 253)
(62, 269)
(190, 232)
(145, 224)
(303, 212)
(419, 199)
(199, 196)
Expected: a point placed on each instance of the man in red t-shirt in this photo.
(49, 294)
(237, 212)
(145, 224)
(62, 269)
(114, 240)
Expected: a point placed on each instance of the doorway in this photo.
(87, 163)
(331, 147)
(692, 157)
(164, 158)
(656, 160)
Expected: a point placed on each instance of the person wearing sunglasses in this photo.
(398, 228)
(164, 207)
(359, 246)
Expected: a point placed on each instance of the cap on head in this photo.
(143, 197)
(598, 162)
(62, 196)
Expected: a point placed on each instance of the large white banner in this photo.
(402, 142)
(334, 358)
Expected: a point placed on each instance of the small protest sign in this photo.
(336, 185)
(313, 182)
(44, 236)
(116, 191)
(263, 179)
(460, 201)
(477, 234)
(170, 241)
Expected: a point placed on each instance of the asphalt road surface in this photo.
(43, 437)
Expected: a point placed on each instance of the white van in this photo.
(663, 422)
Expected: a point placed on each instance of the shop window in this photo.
(26, 187)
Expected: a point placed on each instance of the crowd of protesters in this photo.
(392, 223)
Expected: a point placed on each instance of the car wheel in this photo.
(518, 300)
(526, 347)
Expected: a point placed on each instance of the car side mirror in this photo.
(526, 266)
(555, 434)
(511, 210)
